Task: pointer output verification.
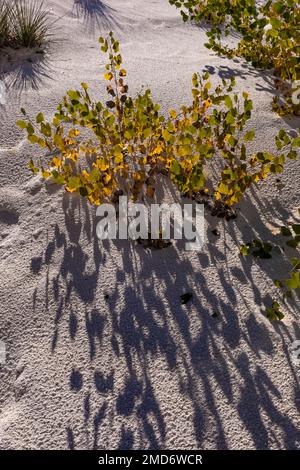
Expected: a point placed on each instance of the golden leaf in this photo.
(207, 103)
(108, 76)
(56, 162)
(73, 133)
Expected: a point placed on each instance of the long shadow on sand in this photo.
(216, 363)
(25, 69)
(96, 14)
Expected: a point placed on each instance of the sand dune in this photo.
(137, 369)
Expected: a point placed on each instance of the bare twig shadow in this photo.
(25, 69)
(95, 13)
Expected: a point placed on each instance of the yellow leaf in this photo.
(107, 191)
(73, 133)
(184, 150)
(107, 178)
(101, 164)
(72, 156)
(118, 154)
(56, 162)
(119, 159)
(122, 73)
(85, 174)
(46, 174)
(157, 150)
(94, 200)
(223, 189)
(143, 161)
(207, 103)
(217, 196)
(233, 199)
(263, 174)
(71, 190)
(108, 76)
(173, 114)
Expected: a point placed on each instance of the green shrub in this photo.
(270, 37)
(131, 141)
(23, 23)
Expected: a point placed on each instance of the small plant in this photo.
(274, 313)
(258, 249)
(292, 282)
(131, 141)
(294, 233)
(270, 38)
(23, 23)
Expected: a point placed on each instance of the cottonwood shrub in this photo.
(269, 38)
(97, 149)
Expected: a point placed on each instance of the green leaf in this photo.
(296, 228)
(22, 124)
(294, 243)
(40, 118)
(223, 188)
(249, 136)
(229, 119)
(296, 142)
(294, 281)
(32, 167)
(285, 232)
(175, 167)
(274, 312)
(244, 250)
(295, 263)
(30, 129)
(46, 130)
(166, 135)
(74, 95)
(228, 102)
(33, 139)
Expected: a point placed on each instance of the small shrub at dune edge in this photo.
(291, 283)
(270, 38)
(130, 142)
(23, 23)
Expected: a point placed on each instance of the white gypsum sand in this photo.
(138, 369)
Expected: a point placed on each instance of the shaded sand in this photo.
(137, 369)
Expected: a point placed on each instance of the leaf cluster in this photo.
(269, 37)
(99, 148)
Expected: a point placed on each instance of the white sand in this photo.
(139, 370)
